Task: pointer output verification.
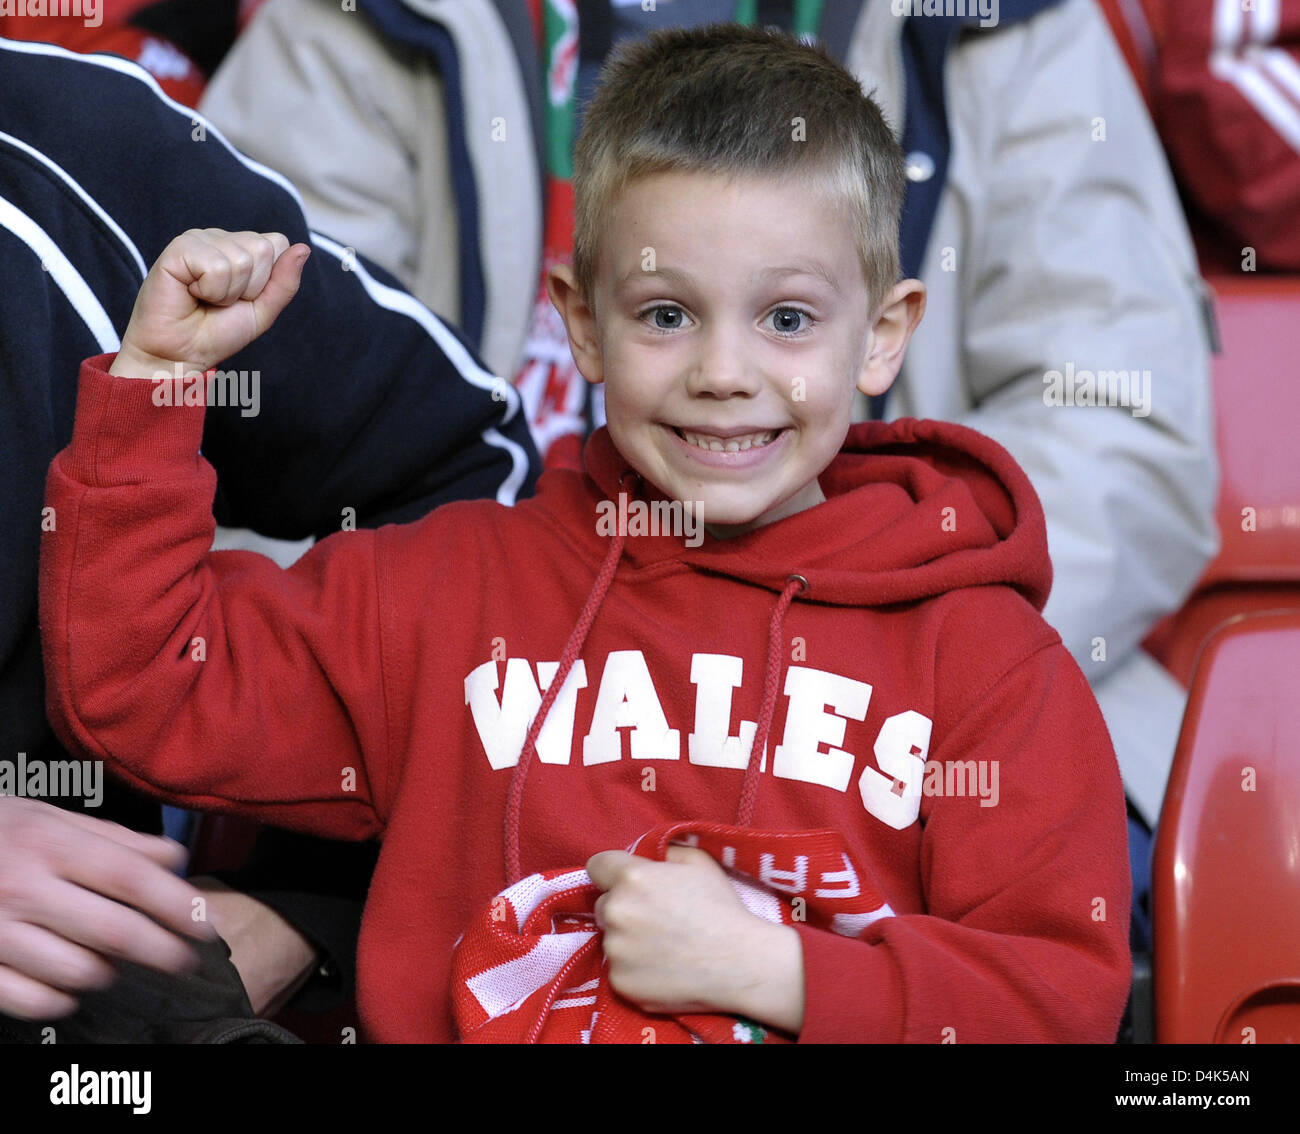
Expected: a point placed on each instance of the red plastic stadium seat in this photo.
(1257, 408)
(1178, 640)
(1226, 869)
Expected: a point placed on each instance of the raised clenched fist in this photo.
(210, 294)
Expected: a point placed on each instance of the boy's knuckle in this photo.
(611, 911)
(634, 876)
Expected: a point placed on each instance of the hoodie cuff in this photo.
(853, 993)
(130, 430)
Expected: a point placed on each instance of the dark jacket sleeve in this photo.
(365, 399)
(365, 408)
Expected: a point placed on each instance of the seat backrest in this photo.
(1257, 413)
(1226, 869)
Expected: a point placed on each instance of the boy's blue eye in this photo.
(787, 321)
(790, 320)
(674, 314)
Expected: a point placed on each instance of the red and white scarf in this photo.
(530, 969)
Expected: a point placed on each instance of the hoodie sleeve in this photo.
(214, 679)
(1025, 938)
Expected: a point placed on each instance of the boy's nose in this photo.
(723, 368)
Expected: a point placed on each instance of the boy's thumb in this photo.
(286, 277)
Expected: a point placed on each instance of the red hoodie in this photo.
(383, 686)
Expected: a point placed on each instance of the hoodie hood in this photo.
(914, 508)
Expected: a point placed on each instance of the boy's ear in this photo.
(579, 321)
(899, 314)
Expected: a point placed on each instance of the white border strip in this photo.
(68, 279)
(135, 71)
(1281, 67)
(1245, 74)
(86, 198)
(1228, 24)
(404, 303)
(1267, 21)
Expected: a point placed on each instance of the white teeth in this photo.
(732, 444)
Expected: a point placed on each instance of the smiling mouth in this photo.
(736, 444)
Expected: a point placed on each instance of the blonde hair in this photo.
(729, 99)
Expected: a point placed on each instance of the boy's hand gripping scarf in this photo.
(530, 969)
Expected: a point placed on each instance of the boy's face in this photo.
(731, 325)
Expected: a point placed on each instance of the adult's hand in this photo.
(78, 893)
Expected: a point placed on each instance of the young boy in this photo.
(854, 644)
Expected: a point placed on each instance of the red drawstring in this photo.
(514, 800)
(749, 790)
(605, 578)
